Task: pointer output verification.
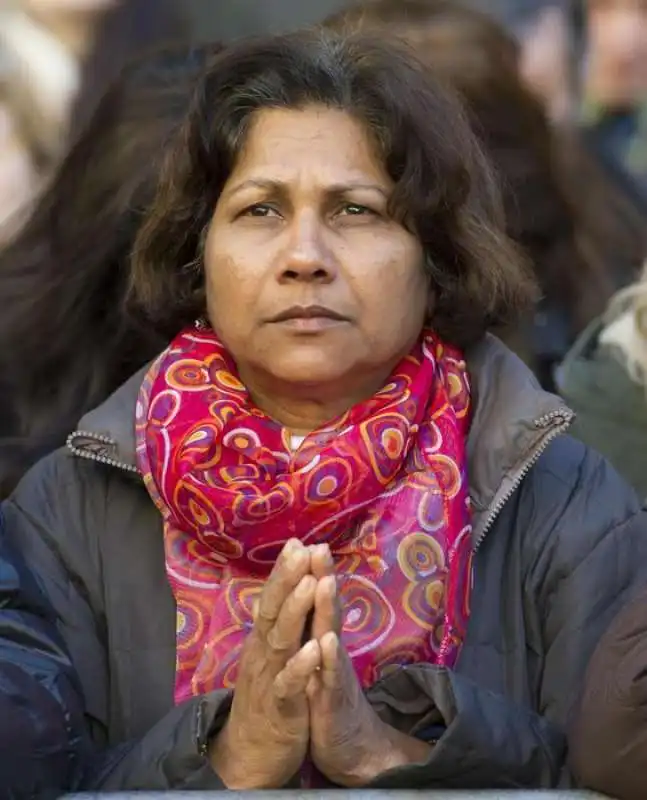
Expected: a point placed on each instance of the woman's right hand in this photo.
(265, 740)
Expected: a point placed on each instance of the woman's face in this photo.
(311, 285)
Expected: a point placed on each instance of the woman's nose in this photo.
(306, 257)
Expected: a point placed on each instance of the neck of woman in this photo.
(304, 409)
(301, 417)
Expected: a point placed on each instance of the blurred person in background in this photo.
(614, 81)
(609, 730)
(57, 57)
(68, 267)
(582, 248)
(551, 37)
(604, 379)
(547, 48)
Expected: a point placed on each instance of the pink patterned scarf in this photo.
(385, 486)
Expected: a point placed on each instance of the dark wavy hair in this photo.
(66, 339)
(443, 188)
(583, 234)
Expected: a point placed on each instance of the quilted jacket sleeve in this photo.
(42, 739)
(582, 538)
(53, 516)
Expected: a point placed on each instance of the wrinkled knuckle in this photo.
(277, 643)
(264, 619)
(281, 690)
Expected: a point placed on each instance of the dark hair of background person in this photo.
(584, 236)
(125, 30)
(443, 188)
(66, 340)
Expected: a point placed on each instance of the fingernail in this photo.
(322, 551)
(331, 585)
(292, 548)
(311, 647)
(330, 641)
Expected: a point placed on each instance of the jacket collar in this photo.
(513, 421)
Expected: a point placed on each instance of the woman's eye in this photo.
(259, 210)
(356, 210)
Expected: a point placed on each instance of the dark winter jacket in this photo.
(610, 732)
(560, 544)
(42, 741)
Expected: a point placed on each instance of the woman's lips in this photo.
(310, 324)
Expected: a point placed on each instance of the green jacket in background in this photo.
(611, 408)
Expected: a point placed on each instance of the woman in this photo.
(68, 269)
(609, 733)
(582, 248)
(604, 378)
(266, 544)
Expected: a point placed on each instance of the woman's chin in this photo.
(313, 366)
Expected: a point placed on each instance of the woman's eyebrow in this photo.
(278, 185)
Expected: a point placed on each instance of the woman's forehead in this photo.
(284, 145)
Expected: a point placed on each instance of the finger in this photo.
(291, 566)
(321, 561)
(327, 616)
(284, 638)
(331, 674)
(313, 687)
(294, 677)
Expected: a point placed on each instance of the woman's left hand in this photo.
(349, 743)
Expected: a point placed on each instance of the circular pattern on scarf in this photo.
(368, 615)
(240, 596)
(430, 438)
(237, 473)
(252, 506)
(431, 511)
(164, 407)
(457, 386)
(201, 448)
(423, 602)
(447, 474)
(384, 437)
(188, 375)
(328, 482)
(245, 440)
(266, 554)
(222, 411)
(198, 511)
(207, 564)
(190, 621)
(420, 556)
(223, 379)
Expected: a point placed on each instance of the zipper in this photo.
(557, 422)
(101, 446)
(554, 424)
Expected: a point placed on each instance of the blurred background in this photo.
(587, 59)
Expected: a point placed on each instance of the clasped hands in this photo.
(294, 699)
